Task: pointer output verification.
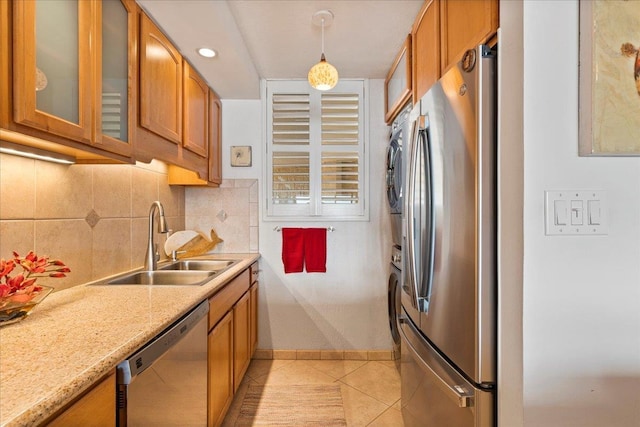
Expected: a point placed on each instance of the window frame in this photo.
(315, 210)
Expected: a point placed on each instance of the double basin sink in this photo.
(189, 272)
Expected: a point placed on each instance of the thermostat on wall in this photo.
(241, 155)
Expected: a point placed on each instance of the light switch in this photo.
(577, 213)
(560, 212)
(595, 216)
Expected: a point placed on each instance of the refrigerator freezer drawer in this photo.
(434, 394)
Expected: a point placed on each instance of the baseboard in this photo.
(326, 354)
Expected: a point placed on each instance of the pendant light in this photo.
(323, 76)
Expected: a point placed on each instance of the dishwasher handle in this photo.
(154, 349)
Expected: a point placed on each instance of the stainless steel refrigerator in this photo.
(448, 324)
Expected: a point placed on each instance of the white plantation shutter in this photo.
(340, 178)
(290, 177)
(315, 151)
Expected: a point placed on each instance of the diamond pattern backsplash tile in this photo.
(92, 218)
(229, 211)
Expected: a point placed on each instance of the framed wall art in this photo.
(609, 93)
(241, 155)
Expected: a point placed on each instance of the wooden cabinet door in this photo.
(397, 85)
(465, 24)
(160, 83)
(425, 47)
(116, 68)
(52, 66)
(196, 112)
(215, 138)
(254, 319)
(241, 339)
(220, 369)
(96, 408)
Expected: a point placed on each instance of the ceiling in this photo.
(276, 39)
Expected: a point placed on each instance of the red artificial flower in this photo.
(4, 290)
(6, 267)
(22, 286)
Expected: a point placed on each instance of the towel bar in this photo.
(329, 229)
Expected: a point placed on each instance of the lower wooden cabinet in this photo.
(241, 339)
(220, 369)
(232, 337)
(254, 306)
(254, 318)
(96, 408)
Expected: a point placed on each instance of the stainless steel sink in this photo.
(165, 278)
(216, 265)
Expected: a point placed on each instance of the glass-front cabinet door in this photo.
(74, 69)
(52, 69)
(115, 74)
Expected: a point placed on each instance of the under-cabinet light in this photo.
(35, 153)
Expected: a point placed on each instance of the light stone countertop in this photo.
(77, 335)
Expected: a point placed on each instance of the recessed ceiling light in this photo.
(206, 52)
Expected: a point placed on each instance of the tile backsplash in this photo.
(92, 217)
(231, 210)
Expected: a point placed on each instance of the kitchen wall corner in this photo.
(92, 217)
(231, 210)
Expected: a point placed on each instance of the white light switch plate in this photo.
(573, 212)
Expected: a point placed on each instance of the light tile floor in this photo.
(370, 389)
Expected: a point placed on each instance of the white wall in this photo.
(345, 308)
(581, 295)
(242, 125)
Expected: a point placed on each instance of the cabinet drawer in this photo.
(224, 300)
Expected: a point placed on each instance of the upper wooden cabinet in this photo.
(215, 139)
(87, 78)
(116, 68)
(196, 112)
(442, 32)
(52, 64)
(67, 78)
(181, 176)
(161, 73)
(425, 48)
(465, 24)
(397, 85)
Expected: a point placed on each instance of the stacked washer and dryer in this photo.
(395, 188)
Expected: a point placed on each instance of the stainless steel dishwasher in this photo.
(165, 382)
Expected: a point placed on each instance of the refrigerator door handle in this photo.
(411, 277)
(458, 392)
(420, 218)
(427, 224)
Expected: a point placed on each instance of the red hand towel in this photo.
(293, 249)
(315, 250)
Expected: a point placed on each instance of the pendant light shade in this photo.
(323, 76)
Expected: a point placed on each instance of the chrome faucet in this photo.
(151, 259)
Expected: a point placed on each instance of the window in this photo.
(316, 160)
